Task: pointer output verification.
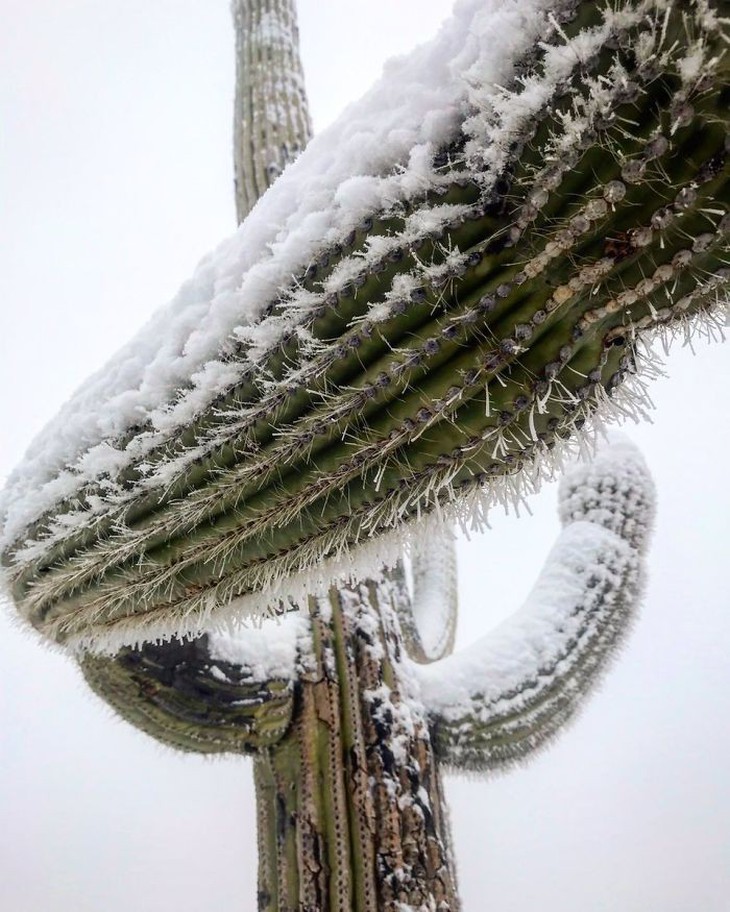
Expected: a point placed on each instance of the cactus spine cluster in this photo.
(430, 361)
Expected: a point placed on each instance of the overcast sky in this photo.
(115, 177)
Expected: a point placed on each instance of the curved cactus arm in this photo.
(220, 693)
(436, 344)
(400, 597)
(499, 700)
(271, 122)
(435, 604)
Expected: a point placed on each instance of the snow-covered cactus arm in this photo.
(499, 700)
(429, 618)
(219, 693)
(271, 122)
(458, 308)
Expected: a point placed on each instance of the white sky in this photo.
(115, 177)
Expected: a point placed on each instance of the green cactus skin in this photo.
(453, 361)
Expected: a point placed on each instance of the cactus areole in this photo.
(445, 291)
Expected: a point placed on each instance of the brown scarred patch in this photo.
(619, 247)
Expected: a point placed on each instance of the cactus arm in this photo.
(508, 694)
(435, 602)
(427, 617)
(215, 694)
(271, 122)
(403, 607)
(433, 356)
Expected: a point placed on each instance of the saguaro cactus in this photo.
(470, 291)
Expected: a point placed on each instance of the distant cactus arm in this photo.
(212, 695)
(271, 122)
(497, 701)
(429, 619)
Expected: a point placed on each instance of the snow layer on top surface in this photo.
(378, 152)
(267, 651)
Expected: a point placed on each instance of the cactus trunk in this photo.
(350, 808)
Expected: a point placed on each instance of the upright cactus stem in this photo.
(271, 122)
(374, 355)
